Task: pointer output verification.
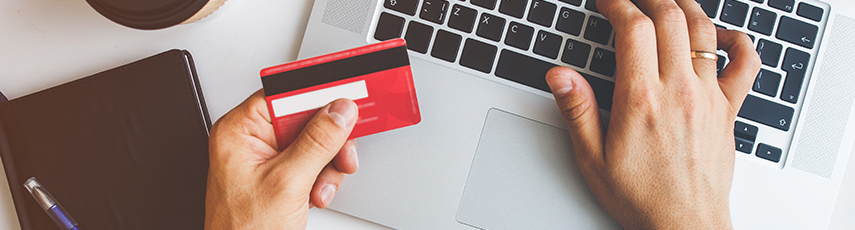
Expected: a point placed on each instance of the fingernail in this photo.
(353, 156)
(342, 112)
(560, 85)
(327, 193)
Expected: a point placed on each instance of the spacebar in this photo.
(532, 72)
(767, 112)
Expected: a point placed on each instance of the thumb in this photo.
(577, 103)
(320, 140)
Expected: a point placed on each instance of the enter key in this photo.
(795, 64)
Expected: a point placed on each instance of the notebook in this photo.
(126, 148)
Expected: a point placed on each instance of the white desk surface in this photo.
(45, 43)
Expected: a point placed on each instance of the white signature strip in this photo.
(318, 98)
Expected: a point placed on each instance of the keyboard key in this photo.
(744, 136)
(770, 52)
(418, 36)
(745, 131)
(576, 53)
(462, 18)
(592, 6)
(542, 12)
(710, 7)
(478, 55)
(523, 69)
(434, 11)
(810, 11)
(570, 21)
(720, 64)
(767, 112)
(785, 5)
(547, 44)
(519, 35)
(445, 46)
(603, 62)
(490, 27)
(514, 8)
(573, 2)
(403, 6)
(489, 4)
(767, 83)
(768, 152)
(388, 27)
(797, 32)
(762, 21)
(530, 71)
(795, 64)
(734, 12)
(599, 30)
(743, 145)
(758, 1)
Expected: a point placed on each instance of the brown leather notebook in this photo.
(126, 148)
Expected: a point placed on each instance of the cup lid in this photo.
(147, 14)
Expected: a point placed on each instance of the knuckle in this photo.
(703, 26)
(644, 99)
(319, 139)
(754, 62)
(669, 12)
(576, 113)
(638, 24)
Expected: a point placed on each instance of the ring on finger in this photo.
(704, 55)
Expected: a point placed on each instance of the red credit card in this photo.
(377, 77)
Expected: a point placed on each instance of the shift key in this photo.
(766, 112)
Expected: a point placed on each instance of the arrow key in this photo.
(769, 152)
(744, 146)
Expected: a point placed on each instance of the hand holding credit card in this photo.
(376, 77)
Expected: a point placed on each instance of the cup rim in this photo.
(165, 17)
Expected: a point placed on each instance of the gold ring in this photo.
(705, 55)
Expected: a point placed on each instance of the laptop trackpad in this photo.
(524, 176)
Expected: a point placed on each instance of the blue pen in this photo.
(49, 204)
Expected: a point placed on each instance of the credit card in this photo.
(377, 77)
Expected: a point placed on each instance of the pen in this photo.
(49, 204)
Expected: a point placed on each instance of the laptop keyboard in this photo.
(520, 40)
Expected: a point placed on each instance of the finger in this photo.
(702, 37)
(320, 140)
(738, 76)
(346, 160)
(672, 37)
(326, 186)
(578, 106)
(258, 111)
(635, 45)
(249, 123)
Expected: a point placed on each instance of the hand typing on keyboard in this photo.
(666, 158)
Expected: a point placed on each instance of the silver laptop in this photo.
(492, 151)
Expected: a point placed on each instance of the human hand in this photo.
(251, 185)
(666, 159)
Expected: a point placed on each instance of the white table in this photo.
(44, 43)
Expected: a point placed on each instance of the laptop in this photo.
(492, 151)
